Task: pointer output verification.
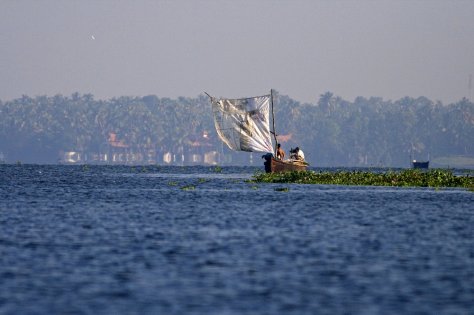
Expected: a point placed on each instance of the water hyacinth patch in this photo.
(217, 169)
(188, 187)
(404, 178)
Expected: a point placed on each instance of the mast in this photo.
(273, 121)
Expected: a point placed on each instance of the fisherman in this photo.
(297, 154)
(280, 152)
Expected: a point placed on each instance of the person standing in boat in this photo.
(280, 152)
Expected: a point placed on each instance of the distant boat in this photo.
(420, 164)
(244, 125)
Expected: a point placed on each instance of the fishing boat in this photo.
(420, 164)
(416, 164)
(244, 125)
(273, 165)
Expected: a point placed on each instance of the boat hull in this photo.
(273, 165)
(421, 165)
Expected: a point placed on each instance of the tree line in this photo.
(374, 132)
(332, 131)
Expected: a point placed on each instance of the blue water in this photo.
(190, 240)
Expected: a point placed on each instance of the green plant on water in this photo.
(173, 183)
(217, 169)
(284, 189)
(254, 187)
(188, 187)
(203, 180)
(404, 178)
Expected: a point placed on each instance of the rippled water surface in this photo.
(191, 240)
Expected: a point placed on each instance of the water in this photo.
(190, 240)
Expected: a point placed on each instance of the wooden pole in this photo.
(273, 120)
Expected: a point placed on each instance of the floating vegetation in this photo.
(189, 187)
(284, 189)
(217, 169)
(404, 178)
(203, 180)
(173, 183)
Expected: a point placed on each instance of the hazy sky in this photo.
(237, 48)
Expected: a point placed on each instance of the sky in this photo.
(112, 48)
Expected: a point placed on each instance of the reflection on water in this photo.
(134, 240)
